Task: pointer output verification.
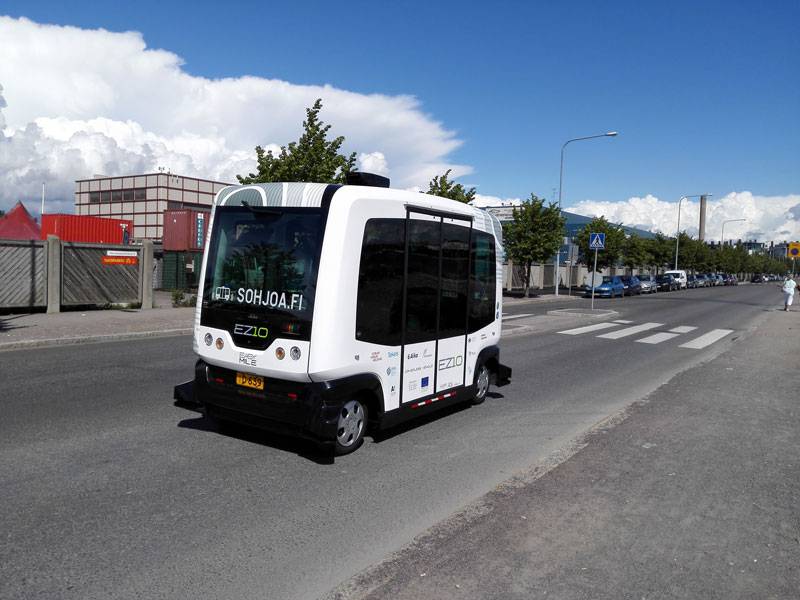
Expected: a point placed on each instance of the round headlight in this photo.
(295, 353)
(209, 339)
(220, 343)
(280, 353)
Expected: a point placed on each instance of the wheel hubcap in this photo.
(483, 382)
(351, 423)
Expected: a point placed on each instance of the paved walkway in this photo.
(73, 327)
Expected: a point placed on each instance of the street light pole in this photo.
(561, 186)
(722, 236)
(678, 234)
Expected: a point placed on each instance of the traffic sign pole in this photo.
(594, 273)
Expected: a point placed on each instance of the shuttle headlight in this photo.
(220, 344)
(295, 353)
(209, 339)
(280, 353)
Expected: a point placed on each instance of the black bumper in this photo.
(309, 410)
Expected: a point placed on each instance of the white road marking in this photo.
(588, 328)
(621, 333)
(657, 338)
(622, 322)
(509, 317)
(683, 329)
(707, 339)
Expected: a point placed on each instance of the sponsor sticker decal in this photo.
(424, 382)
(375, 357)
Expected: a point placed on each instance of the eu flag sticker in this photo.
(424, 382)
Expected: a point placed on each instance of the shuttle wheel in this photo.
(482, 383)
(351, 427)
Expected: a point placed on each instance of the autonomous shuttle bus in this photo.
(325, 309)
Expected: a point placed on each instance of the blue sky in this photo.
(705, 95)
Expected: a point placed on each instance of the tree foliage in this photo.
(313, 158)
(441, 186)
(534, 235)
(615, 243)
(635, 252)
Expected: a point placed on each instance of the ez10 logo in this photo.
(251, 331)
(450, 362)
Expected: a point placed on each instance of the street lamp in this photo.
(561, 186)
(722, 236)
(678, 234)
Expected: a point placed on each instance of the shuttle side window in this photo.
(379, 310)
(482, 286)
(455, 275)
(422, 287)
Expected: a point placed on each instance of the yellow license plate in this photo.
(251, 381)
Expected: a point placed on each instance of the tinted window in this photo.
(455, 271)
(379, 308)
(423, 280)
(481, 281)
(262, 267)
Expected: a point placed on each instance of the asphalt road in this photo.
(110, 491)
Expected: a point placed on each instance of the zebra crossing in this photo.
(620, 329)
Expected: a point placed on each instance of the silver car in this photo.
(648, 284)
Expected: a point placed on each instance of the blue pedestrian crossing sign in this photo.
(597, 241)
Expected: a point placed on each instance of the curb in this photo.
(108, 337)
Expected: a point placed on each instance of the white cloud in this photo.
(81, 102)
(768, 218)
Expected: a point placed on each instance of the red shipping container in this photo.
(88, 229)
(185, 230)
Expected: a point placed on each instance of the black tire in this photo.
(482, 377)
(351, 427)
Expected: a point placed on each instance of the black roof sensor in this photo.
(371, 179)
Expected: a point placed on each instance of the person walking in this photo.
(788, 288)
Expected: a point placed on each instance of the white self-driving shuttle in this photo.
(323, 309)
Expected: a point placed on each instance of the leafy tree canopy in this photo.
(441, 186)
(534, 235)
(313, 158)
(615, 243)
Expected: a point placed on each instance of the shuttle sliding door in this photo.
(435, 304)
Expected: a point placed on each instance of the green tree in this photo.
(662, 249)
(534, 235)
(615, 243)
(635, 254)
(313, 158)
(440, 185)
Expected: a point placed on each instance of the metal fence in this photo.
(23, 274)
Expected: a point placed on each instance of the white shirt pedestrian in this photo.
(788, 288)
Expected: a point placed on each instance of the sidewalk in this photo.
(692, 493)
(73, 327)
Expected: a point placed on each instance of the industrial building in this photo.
(143, 199)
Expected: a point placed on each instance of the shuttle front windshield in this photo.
(262, 268)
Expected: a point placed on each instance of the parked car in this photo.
(757, 278)
(702, 280)
(667, 283)
(731, 280)
(632, 285)
(648, 283)
(692, 282)
(611, 286)
(680, 276)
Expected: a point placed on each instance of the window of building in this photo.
(116, 196)
(105, 196)
(379, 307)
(482, 285)
(94, 197)
(140, 194)
(127, 195)
(422, 282)
(455, 274)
